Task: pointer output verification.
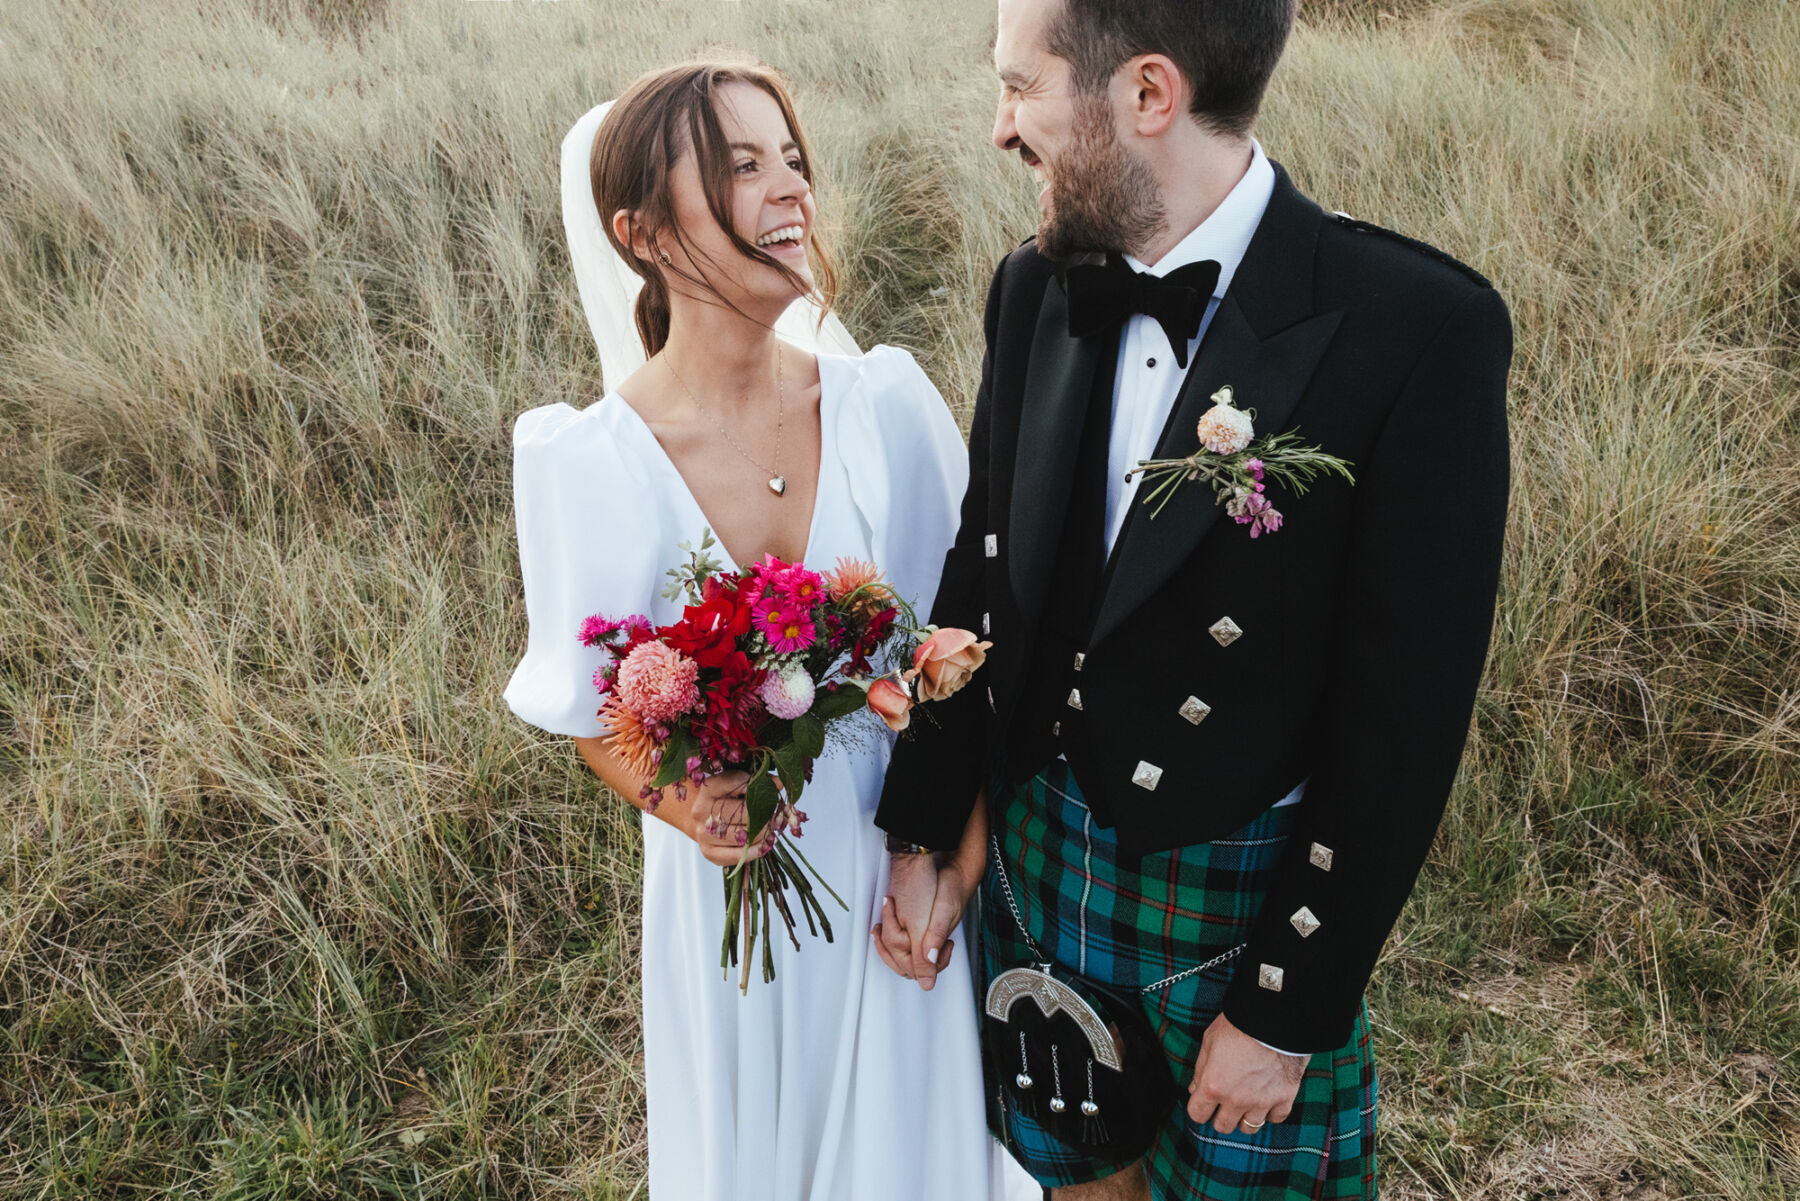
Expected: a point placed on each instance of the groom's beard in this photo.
(1101, 197)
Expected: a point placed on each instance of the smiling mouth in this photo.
(786, 235)
(1036, 167)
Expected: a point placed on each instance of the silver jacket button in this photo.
(1225, 631)
(1147, 776)
(1194, 709)
(1269, 976)
(1320, 856)
(1304, 921)
(1074, 698)
(992, 545)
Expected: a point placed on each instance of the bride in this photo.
(839, 1080)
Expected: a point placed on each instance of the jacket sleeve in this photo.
(1415, 614)
(935, 773)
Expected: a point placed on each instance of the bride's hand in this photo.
(718, 821)
(919, 947)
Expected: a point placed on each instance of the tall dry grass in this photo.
(290, 906)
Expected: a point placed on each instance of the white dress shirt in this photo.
(1147, 379)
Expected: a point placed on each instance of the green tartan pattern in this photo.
(1133, 928)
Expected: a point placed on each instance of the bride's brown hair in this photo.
(635, 150)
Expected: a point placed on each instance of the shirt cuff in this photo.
(1295, 1054)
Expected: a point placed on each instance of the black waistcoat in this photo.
(1046, 722)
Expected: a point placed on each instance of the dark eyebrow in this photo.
(1013, 78)
(752, 147)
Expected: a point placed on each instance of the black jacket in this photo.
(1365, 618)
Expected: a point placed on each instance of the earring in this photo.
(666, 260)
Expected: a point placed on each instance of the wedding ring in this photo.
(1253, 1127)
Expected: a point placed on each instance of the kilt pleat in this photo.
(1133, 928)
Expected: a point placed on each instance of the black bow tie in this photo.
(1103, 296)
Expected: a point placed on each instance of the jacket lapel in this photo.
(1058, 381)
(1266, 342)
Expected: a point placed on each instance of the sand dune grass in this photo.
(290, 906)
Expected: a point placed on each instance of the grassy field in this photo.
(291, 906)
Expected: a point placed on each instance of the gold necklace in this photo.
(777, 481)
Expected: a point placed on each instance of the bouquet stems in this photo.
(757, 888)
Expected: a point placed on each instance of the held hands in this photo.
(924, 903)
(1238, 1083)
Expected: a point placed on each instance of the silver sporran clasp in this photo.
(1052, 996)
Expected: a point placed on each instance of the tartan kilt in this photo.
(1133, 928)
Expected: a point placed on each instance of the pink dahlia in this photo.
(658, 682)
(1225, 430)
(788, 693)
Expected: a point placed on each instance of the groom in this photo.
(1202, 735)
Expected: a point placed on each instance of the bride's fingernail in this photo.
(932, 954)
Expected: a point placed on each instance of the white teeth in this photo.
(790, 233)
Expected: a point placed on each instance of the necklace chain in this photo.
(780, 413)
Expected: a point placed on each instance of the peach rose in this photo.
(945, 661)
(891, 704)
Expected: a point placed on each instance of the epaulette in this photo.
(1425, 248)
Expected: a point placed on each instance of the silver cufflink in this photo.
(1079, 660)
(1056, 728)
(1269, 976)
(984, 624)
(1195, 710)
(1304, 921)
(1147, 776)
(1074, 698)
(993, 545)
(1225, 631)
(1320, 856)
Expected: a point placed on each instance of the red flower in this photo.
(709, 631)
(734, 713)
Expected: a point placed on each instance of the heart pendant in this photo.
(778, 485)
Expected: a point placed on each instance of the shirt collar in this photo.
(1225, 234)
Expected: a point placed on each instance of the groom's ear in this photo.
(1158, 94)
(630, 233)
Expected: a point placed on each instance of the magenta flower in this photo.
(787, 628)
(802, 587)
(596, 629)
(1256, 512)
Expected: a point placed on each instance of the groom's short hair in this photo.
(1226, 49)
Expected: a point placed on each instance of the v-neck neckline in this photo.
(827, 420)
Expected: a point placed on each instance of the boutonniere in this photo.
(1239, 466)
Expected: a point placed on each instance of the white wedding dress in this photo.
(839, 1081)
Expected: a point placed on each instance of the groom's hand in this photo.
(1238, 1080)
(906, 918)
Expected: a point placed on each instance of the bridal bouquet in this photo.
(761, 666)
(1237, 465)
